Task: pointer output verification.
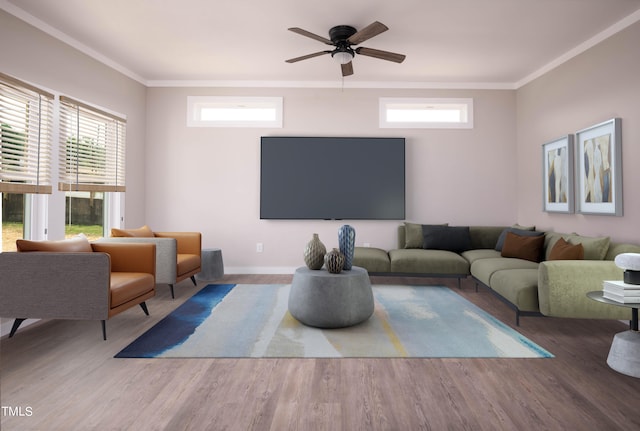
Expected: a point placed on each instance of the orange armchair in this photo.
(178, 254)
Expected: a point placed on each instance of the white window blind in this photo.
(25, 144)
(92, 149)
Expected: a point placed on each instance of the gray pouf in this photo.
(212, 266)
(624, 355)
(318, 298)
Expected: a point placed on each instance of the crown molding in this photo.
(333, 84)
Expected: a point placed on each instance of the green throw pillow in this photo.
(412, 235)
(594, 248)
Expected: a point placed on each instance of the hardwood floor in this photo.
(61, 375)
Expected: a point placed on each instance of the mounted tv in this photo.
(332, 178)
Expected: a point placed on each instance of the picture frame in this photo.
(599, 169)
(558, 176)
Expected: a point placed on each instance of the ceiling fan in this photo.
(342, 37)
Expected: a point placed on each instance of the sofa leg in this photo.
(16, 325)
(517, 318)
(172, 295)
(104, 330)
(143, 305)
(193, 278)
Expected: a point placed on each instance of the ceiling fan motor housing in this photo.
(341, 33)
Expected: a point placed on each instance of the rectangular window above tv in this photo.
(421, 113)
(232, 111)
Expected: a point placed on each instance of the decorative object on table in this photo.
(334, 261)
(347, 243)
(630, 262)
(599, 169)
(619, 291)
(314, 253)
(557, 165)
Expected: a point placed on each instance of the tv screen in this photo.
(332, 178)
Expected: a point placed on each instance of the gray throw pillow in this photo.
(450, 238)
(521, 232)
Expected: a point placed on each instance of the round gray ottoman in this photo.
(318, 298)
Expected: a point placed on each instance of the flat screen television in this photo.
(332, 178)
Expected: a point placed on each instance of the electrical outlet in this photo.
(366, 244)
(259, 247)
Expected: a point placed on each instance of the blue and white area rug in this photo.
(242, 321)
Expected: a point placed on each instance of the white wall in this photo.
(207, 179)
(600, 84)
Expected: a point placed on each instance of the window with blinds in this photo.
(92, 149)
(25, 132)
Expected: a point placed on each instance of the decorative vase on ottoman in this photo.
(347, 243)
(334, 261)
(314, 253)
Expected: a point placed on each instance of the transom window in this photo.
(231, 111)
(426, 113)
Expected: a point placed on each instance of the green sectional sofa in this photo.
(541, 286)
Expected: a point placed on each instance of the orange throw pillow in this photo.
(74, 245)
(562, 250)
(523, 247)
(143, 232)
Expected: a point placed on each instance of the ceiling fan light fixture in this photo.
(343, 56)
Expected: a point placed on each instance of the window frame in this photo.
(197, 104)
(465, 105)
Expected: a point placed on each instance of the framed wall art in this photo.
(599, 169)
(557, 168)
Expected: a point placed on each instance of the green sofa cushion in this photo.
(483, 253)
(416, 261)
(518, 286)
(617, 248)
(485, 236)
(371, 258)
(483, 269)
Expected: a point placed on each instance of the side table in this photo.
(624, 355)
(212, 266)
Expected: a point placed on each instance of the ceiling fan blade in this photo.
(311, 35)
(383, 55)
(347, 69)
(368, 32)
(304, 57)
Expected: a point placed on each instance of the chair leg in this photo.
(193, 278)
(172, 295)
(16, 325)
(143, 305)
(104, 330)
